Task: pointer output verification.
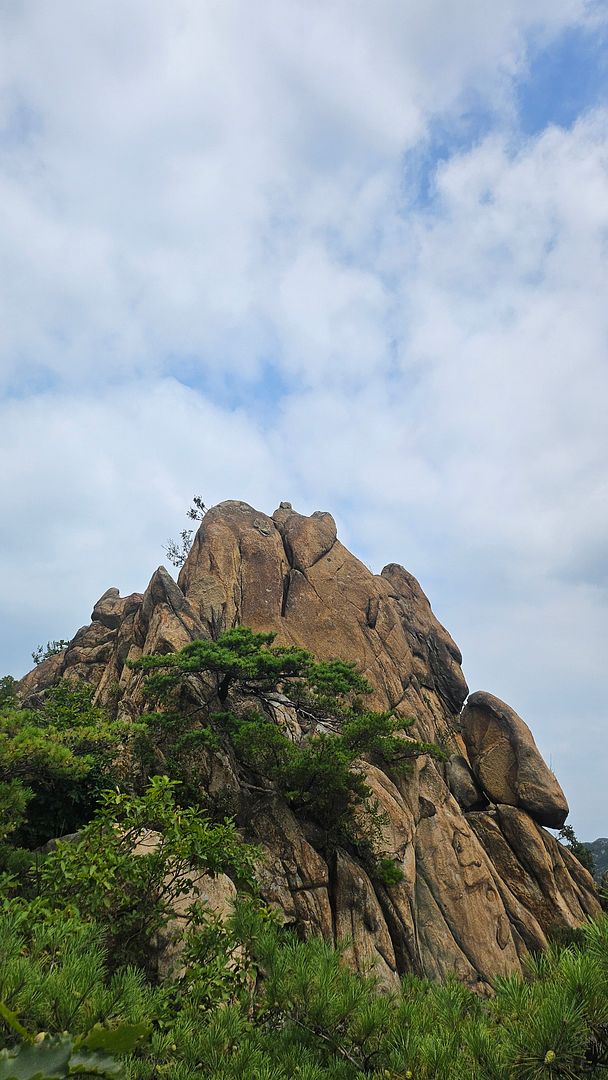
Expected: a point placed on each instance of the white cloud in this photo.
(212, 188)
(92, 487)
(165, 165)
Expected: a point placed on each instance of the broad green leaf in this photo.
(95, 1063)
(120, 1040)
(44, 1060)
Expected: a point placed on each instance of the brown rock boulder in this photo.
(507, 763)
(306, 539)
(111, 608)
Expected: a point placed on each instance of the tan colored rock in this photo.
(306, 539)
(360, 925)
(45, 674)
(461, 783)
(461, 879)
(506, 761)
(437, 655)
(293, 876)
(235, 569)
(290, 574)
(111, 609)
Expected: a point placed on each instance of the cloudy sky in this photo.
(348, 253)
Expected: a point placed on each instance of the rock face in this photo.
(506, 762)
(482, 881)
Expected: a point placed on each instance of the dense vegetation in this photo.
(98, 978)
(254, 1002)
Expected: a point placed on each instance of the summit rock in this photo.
(482, 881)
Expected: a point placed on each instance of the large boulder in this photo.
(507, 763)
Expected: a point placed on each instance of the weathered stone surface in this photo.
(290, 574)
(294, 877)
(506, 761)
(437, 655)
(45, 674)
(111, 608)
(360, 924)
(461, 880)
(236, 568)
(306, 539)
(461, 783)
(481, 883)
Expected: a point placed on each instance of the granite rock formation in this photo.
(483, 882)
(506, 763)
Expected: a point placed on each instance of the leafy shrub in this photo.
(240, 656)
(131, 894)
(52, 648)
(64, 753)
(298, 1012)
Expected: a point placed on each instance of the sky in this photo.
(352, 255)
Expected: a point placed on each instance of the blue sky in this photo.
(563, 79)
(344, 254)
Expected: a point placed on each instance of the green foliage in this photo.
(134, 860)
(388, 872)
(14, 799)
(381, 734)
(293, 1009)
(52, 648)
(240, 656)
(177, 550)
(48, 1057)
(54, 975)
(8, 691)
(330, 686)
(64, 752)
(81, 929)
(237, 656)
(317, 777)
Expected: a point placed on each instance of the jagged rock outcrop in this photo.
(482, 880)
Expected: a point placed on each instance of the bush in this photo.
(241, 657)
(52, 648)
(295, 1011)
(131, 895)
(64, 753)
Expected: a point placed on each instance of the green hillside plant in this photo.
(82, 992)
(62, 754)
(299, 1012)
(52, 648)
(130, 865)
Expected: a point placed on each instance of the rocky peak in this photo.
(482, 880)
